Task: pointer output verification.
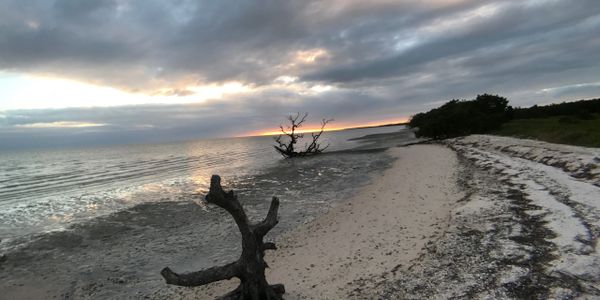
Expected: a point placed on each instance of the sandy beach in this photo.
(383, 228)
(380, 230)
(474, 217)
(481, 217)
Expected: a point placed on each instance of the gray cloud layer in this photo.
(386, 58)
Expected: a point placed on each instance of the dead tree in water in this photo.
(250, 267)
(287, 148)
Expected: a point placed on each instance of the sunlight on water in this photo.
(50, 190)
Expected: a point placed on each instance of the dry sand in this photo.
(383, 228)
(497, 218)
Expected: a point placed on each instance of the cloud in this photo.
(254, 112)
(153, 45)
(497, 25)
(575, 90)
(254, 61)
(149, 45)
(60, 124)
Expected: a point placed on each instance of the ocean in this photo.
(130, 210)
(49, 190)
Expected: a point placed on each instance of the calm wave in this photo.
(50, 190)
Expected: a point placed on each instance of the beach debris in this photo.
(286, 142)
(250, 267)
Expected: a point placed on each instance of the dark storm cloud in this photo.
(513, 23)
(140, 44)
(382, 58)
(252, 112)
(160, 123)
(151, 44)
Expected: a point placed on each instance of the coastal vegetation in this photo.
(573, 123)
(462, 117)
(582, 109)
(560, 129)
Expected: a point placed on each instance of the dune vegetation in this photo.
(560, 129)
(575, 123)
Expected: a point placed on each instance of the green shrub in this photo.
(463, 117)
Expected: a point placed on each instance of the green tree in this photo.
(463, 117)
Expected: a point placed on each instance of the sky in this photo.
(83, 72)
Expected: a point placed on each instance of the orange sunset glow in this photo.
(333, 128)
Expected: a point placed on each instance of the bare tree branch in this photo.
(250, 267)
(270, 221)
(201, 277)
(287, 148)
(229, 202)
(314, 146)
(269, 246)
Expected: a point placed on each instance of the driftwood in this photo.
(250, 267)
(287, 147)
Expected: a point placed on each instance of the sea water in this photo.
(51, 190)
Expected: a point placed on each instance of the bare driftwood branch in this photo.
(287, 147)
(201, 277)
(270, 221)
(250, 267)
(269, 246)
(314, 145)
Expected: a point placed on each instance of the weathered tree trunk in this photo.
(250, 267)
(287, 147)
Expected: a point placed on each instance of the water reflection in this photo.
(50, 190)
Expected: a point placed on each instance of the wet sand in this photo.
(119, 256)
(381, 229)
(478, 217)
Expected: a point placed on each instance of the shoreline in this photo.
(120, 255)
(473, 217)
(381, 229)
(503, 219)
(528, 227)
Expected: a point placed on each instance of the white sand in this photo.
(566, 196)
(384, 226)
